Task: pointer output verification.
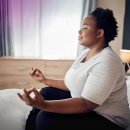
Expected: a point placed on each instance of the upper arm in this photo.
(90, 106)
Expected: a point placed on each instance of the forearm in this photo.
(66, 106)
(56, 84)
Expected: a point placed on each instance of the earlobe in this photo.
(98, 36)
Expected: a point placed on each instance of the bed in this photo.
(14, 112)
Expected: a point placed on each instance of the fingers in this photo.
(33, 71)
(31, 68)
(29, 72)
(26, 97)
(30, 91)
(20, 96)
(39, 71)
(35, 92)
(26, 93)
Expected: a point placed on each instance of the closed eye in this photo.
(85, 28)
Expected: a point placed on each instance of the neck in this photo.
(95, 50)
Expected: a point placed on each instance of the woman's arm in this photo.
(64, 106)
(56, 84)
(38, 76)
(69, 106)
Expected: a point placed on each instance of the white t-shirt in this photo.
(101, 80)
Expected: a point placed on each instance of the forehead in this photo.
(90, 20)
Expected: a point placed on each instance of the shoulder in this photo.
(108, 55)
(111, 60)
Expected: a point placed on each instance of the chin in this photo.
(81, 43)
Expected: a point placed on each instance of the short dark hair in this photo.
(106, 21)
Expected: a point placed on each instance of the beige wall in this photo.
(118, 7)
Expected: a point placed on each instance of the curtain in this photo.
(26, 27)
(89, 6)
(46, 28)
(5, 28)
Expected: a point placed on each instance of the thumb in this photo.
(39, 71)
(35, 91)
(30, 90)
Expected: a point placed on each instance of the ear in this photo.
(100, 33)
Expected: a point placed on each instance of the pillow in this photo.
(13, 111)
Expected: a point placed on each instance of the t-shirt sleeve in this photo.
(101, 81)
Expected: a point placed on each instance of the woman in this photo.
(93, 93)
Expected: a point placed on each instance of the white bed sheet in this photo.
(13, 111)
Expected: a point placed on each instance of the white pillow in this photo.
(13, 111)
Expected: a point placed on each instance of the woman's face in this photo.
(88, 33)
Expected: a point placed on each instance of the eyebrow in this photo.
(85, 24)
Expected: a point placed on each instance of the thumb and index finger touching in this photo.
(35, 92)
(34, 70)
(30, 90)
(27, 93)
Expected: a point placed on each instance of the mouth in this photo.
(79, 38)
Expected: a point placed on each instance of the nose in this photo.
(79, 31)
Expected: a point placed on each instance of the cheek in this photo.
(85, 34)
(89, 35)
(89, 38)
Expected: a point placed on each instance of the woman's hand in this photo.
(37, 101)
(37, 75)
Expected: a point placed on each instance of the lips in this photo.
(80, 38)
